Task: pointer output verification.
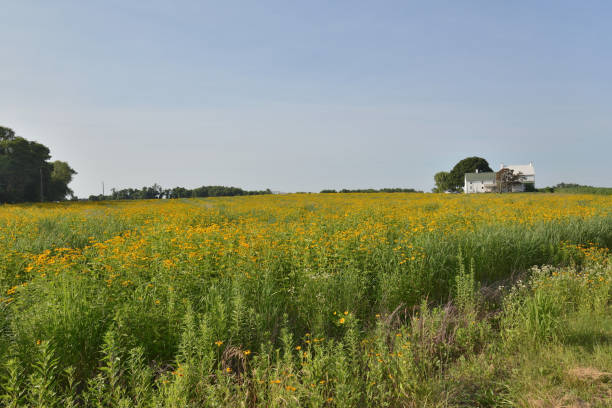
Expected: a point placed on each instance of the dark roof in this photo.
(487, 176)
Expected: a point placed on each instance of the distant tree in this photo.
(157, 192)
(467, 165)
(573, 188)
(180, 192)
(444, 182)
(399, 190)
(153, 192)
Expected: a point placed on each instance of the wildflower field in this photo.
(307, 300)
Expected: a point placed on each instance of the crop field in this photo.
(307, 300)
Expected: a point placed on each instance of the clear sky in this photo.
(301, 96)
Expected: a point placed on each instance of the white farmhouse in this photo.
(485, 182)
(528, 173)
(479, 182)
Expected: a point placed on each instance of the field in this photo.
(308, 300)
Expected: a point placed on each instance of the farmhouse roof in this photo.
(487, 176)
(525, 169)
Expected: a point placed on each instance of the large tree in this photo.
(443, 181)
(467, 165)
(26, 174)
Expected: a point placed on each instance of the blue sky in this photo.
(301, 96)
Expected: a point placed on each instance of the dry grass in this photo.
(597, 382)
(589, 374)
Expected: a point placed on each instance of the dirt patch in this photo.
(563, 402)
(589, 374)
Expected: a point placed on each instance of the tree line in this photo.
(573, 188)
(26, 174)
(157, 192)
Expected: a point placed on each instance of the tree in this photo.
(26, 174)
(61, 176)
(467, 165)
(443, 181)
(506, 178)
(23, 168)
(179, 192)
(6, 133)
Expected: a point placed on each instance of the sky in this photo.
(302, 96)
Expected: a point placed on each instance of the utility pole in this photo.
(41, 185)
(102, 189)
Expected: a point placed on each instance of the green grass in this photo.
(543, 342)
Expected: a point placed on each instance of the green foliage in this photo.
(444, 182)
(465, 287)
(467, 165)
(42, 382)
(139, 378)
(454, 180)
(448, 355)
(572, 188)
(112, 368)
(6, 134)
(22, 166)
(535, 310)
(12, 384)
(158, 192)
(61, 176)
(26, 174)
